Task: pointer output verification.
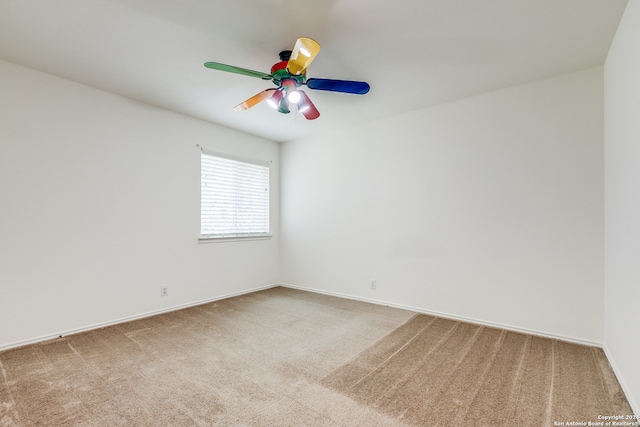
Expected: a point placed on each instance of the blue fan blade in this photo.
(346, 86)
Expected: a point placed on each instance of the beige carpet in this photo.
(283, 357)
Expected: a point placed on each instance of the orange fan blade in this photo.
(256, 99)
(303, 53)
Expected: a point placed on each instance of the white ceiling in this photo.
(413, 53)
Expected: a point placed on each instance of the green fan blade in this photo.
(237, 70)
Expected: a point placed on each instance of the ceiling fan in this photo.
(289, 75)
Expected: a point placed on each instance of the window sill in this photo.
(232, 238)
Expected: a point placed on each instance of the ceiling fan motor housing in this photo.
(279, 73)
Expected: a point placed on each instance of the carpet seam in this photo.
(549, 409)
(352, 358)
(468, 347)
(385, 362)
(512, 402)
(406, 377)
(497, 346)
(444, 340)
(6, 383)
(603, 382)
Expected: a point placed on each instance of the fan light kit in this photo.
(289, 75)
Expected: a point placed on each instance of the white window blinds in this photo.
(234, 197)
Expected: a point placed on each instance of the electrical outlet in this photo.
(374, 284)
(164, 291)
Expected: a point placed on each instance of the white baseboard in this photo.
(319, 291)
(635, 406)
(130, 318)
(451, 316)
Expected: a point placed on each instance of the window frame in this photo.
(257, 235)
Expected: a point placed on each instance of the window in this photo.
(234, 197)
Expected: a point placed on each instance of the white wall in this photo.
(622, 202)
(99, 207)
(489, 208)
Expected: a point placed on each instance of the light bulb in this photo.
(305, 52)
(294, 97)
(272, 103)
